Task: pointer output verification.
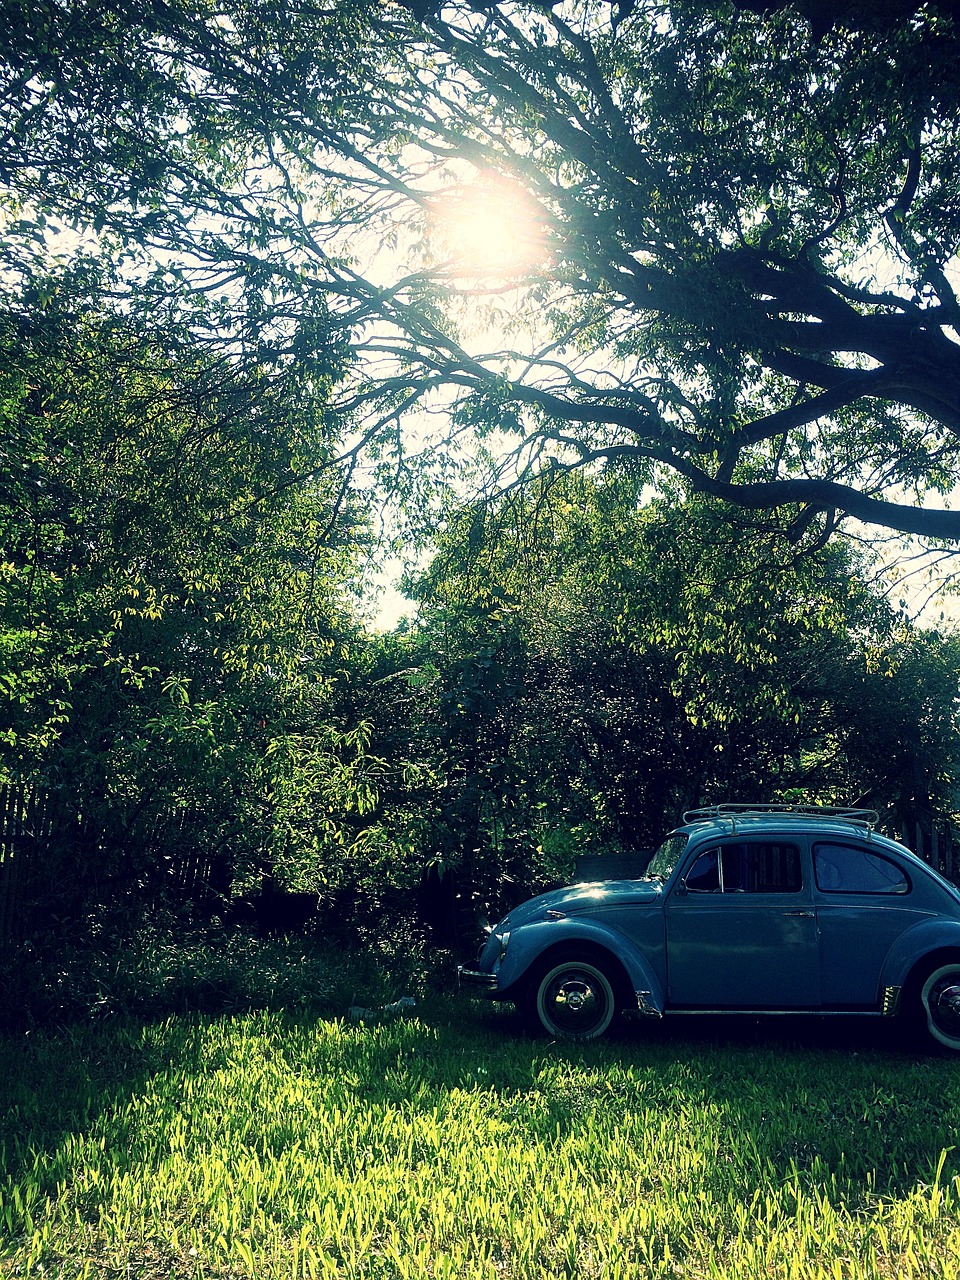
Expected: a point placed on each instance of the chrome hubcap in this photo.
(574, 1002)
(945, 1005)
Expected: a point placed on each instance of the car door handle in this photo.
(805, 915)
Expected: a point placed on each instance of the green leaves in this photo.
(176, 543)
(604, 662)
(740, 219)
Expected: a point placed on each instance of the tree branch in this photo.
(825, 495)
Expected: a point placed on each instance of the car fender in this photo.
(528, 943)
(919, 940)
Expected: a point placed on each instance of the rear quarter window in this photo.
(844, 868)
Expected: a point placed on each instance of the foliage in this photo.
(280, 1146)
(164, 963)
(742, 293)
(750, 230)
(178, 547)
(587, 666)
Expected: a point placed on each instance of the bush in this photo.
(171, 965)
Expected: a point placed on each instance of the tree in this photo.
(175, 597)
(750, 230)
(586, 667)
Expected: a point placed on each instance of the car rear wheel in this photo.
(573, 999)
(940, 1001)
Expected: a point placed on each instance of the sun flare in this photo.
(491, 230)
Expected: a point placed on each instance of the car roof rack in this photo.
(867, 818)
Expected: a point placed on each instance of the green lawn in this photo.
(274, 1145)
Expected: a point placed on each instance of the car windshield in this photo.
(667, 856)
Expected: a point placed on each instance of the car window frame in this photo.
(717, 846)
(870, 852)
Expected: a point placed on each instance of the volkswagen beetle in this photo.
(767, 909)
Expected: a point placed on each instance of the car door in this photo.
(742, 930)
(865, 899)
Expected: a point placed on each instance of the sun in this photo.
(490, 229)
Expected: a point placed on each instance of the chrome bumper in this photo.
(474, 978)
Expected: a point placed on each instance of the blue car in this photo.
(760, 909)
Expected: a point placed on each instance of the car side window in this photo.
(704, 875)
(754, 867)
(843, 868)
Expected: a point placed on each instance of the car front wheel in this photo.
(940, 998)
(574, 1000)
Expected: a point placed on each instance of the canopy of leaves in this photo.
(585, 668)
(746, 230)
(752, 231)
(175, 597)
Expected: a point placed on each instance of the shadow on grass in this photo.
(841, 1033)
(56, 1083)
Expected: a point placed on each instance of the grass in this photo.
(271, 1144)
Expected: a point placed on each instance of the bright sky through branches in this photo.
(489, 229)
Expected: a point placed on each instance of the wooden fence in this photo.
(30, 822)
(42, 835)
(54, 857)
(938, 845)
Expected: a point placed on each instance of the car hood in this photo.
(578, 899)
